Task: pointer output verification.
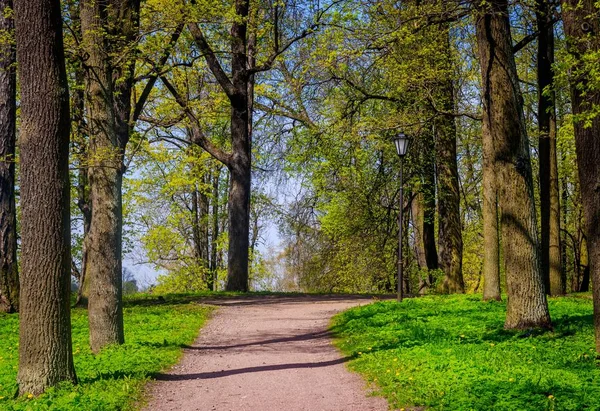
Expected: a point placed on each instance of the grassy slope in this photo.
(114, 379)
(452, 353)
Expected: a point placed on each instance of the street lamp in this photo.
(402, 141)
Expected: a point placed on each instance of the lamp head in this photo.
(402, 141)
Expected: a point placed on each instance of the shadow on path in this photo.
(226, 373)
(295, 338)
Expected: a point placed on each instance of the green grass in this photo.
(452, 353)
(155, 332)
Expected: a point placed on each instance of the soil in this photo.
(266, 354)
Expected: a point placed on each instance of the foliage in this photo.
(451, 352)
(154, 333)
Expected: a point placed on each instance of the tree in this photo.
(554, 280)
(504, 126)
(238, 87)
(9, 276)
(582, 28)
(45, 356)
(449, 227)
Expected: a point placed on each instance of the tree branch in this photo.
(268, 65)
(476, 117)
(198, 137)
(212, 60)
(139, 105)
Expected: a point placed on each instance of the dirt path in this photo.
(266, 354)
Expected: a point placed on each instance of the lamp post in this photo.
(402, 142)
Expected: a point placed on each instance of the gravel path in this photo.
(266, 354)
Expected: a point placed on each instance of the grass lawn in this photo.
(155, 332)
(452, 353)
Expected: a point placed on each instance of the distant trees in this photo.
(45, 354)
(9, 276)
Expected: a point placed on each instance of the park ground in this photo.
(273, 352)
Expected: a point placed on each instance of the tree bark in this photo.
(109, 29)
(582, 28)
(450, 244)
(491, 237)
(45, 352)
(554, 281)
(239, 208)
(418, 223)
(504, 119)
(240, 166)
(9, 273)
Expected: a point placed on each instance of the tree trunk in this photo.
(582, 28)
(554, 281)
(491, 238)
(45, 351)
(450, 245)
(9, 275)
(504, 120)
(417, 222)
(108, 28)
(241, 145)
(239, 204)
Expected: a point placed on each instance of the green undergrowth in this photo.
(452, 353)
(156, 330)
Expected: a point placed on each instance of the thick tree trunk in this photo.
(503, 117)
(45, 353)
(450, 244)
(108, 28)
(582, 28)
(491, 238)
(103, 269)
(554, 281)
(239, 204)
(9, 275)
(241, 147)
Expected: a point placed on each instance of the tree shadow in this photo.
(295, 338)
(263, 368)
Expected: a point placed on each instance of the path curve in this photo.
(266, 354)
